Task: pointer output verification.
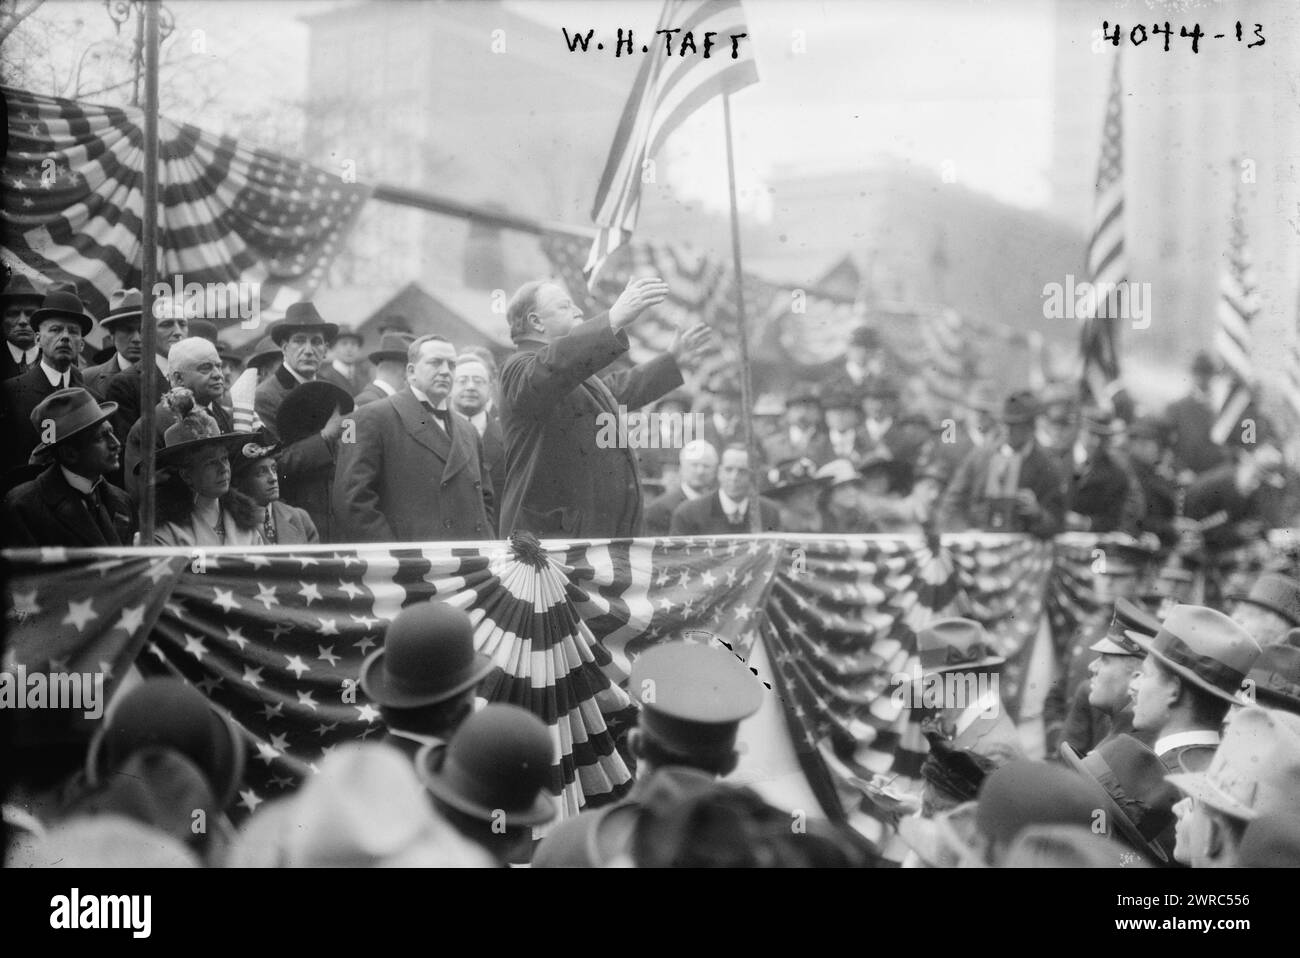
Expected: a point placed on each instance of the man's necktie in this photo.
(442, 415)
(98, 512)
(268, 527)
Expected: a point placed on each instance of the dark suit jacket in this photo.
(8, 367)
(293, 526)
(307, 466)
(494, 454)
(164, 417)
(125, 389)
(48, 512)
(97, 377)
(560, 482)
(965, 505)
(1098, 491)
(705, 517)
(405, 480)
(22, 395)
(659, 511)
(369, 393)
(362, 374)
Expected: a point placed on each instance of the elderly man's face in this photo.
(432, 374)
(127, 340)
(202, 374)
(470, 388)
(18, 323)
(304, 352)
(699, 471)
(60, 339)
(556, 310)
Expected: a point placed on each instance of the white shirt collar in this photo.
(56, 378)
(80, 483)
(415, 736)
(164, 366)
(690, 493)
(423, 397)
(480, 421)
(384, 388)
(730, 506)
(344, 369)
(1198, 736)
(123, 364)
(28, 356)
(295, 374)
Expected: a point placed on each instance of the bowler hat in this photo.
(308, 406)
(1127, 617)
(124, 306)
(19, 288)
(1131, 781)
(693, 697)
(392, 348)
(169, 713)
(955, 645)
(1205, 647)
(1256, 769)
(1278, 593)
(1020, 407)
(1029, 792)
(1276, 675)
(302, 318)
(71, 411)
(427, 657)
(496, 768)
(63, 303)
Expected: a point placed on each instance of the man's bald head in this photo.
(699, 466)
(196, 365)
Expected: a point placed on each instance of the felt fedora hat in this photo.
(347, 332)
(1256, 768)
(124, 306)
(392, 348)
(264, 351)
(1278, 593)
(20, 289)
(427, 657)
(1128, 617)
(497, 767)
(308, 406)
(69, 412)
(1130, 779)
(299, 318)
(1275, 679)
(955, 645)
(63, 303)
(1205, 647)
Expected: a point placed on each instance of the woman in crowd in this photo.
(194, 504)
(256, 483)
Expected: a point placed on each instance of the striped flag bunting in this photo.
(1107, 264)
(1237, 307)
(229, 212)
(276, 636)
(666, 91)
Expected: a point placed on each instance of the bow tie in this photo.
(442, 415)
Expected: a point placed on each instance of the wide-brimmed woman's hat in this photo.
(194, 430)
(307, 408)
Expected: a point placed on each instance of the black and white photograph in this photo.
(745, 434)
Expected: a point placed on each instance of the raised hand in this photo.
(636, 298)
(689, 345)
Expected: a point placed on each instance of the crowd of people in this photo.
(1175, 721)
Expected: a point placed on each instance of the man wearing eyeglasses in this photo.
(196, 365)
(307, 464)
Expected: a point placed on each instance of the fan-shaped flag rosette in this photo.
(549, 663)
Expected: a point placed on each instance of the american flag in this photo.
(228, 211)
(1291, 366)
(1238, 304)
(276, 637)
(1107, 266)
(667, 90)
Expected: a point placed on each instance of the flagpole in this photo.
(148, 275)
(746, 394)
